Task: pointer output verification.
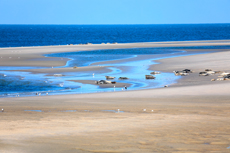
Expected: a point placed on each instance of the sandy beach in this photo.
(191, 115)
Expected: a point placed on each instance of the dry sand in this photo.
(189, 116)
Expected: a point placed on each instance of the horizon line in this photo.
(109, 24)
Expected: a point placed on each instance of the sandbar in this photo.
(191, 115)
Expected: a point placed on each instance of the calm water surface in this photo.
(43, 35)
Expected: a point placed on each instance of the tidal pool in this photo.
(33, 110)
(69, 111)
(113, 111)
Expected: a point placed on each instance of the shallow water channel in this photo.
(15, 83)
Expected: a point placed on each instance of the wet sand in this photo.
(189, 116)
(117, 85)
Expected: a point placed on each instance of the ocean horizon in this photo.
(46, 35)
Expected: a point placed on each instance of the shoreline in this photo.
(190, 116)
(66, 71)
(156, 42)
(36, 54)
(106, 68)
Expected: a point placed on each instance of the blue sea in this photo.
(43, 35)
(13, 83)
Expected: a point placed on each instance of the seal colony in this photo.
(191, 115)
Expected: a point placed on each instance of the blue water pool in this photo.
(18, 83)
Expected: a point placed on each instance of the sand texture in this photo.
(189, 116)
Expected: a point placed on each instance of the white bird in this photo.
(2, 110)
(144, 110)
(118, 110)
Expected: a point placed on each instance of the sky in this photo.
(114, 11)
